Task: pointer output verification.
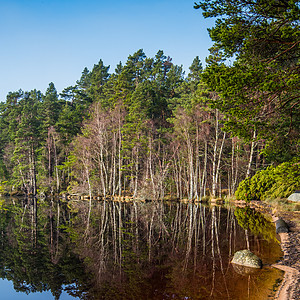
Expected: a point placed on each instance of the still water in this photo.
(112, 250)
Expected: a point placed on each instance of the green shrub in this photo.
(2, 190)
(274, 182)
(3, 187)
(287, 177)
(243, 190)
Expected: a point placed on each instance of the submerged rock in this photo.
(247, 258)
(281, 226)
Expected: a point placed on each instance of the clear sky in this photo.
(43, 41)
(8, 292)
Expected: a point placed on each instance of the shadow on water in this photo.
(155, 250)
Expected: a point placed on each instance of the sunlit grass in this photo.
(283, 204)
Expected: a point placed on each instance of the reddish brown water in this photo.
(136, 250)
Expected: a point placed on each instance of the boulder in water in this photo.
(247, 258)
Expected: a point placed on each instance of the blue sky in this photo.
(43, 41)
(8, 292)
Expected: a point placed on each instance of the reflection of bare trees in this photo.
(231, 231)
(54, 231)
(136, 238)
(133, 249)
(190, 234)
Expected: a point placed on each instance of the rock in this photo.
(247, 258)
(294, 197)
(281, 226)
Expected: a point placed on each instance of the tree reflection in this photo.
(128, 251)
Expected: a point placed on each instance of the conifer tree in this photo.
(259, 91)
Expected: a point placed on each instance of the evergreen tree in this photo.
(50, 107)
(98, 77)
(196, 70)
(259, 91)
(84, 82)
(27, 143)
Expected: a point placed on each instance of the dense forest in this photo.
(144, 130)
(150, 131)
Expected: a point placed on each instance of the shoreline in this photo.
(290, 263)
(290, 246)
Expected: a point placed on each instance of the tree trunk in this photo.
(33, 172)
(253, 143)
(214, 162)
(219, 159)
(204, 175)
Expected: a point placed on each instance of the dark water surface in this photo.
(112, 250)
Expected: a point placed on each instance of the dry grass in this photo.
(284, 205)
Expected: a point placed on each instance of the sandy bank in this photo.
(290, 264)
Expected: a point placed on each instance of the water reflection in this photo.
(112, 250)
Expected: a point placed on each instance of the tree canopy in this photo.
(259, 91)
(149, 131)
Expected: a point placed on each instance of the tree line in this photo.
(145, 130)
